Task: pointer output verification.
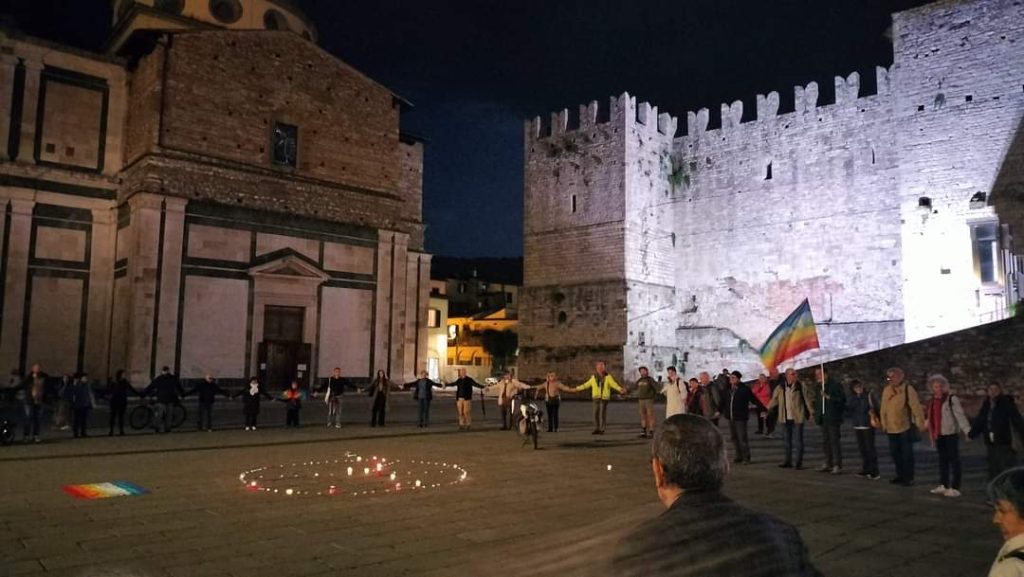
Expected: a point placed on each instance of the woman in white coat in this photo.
(675, 394)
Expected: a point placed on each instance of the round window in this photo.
(172, 6)
(226, 11)
(274, 20)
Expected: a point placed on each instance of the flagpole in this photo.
(821, 367)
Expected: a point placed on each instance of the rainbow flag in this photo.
(795, 335)
(104, 490)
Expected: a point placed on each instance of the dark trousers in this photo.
(868, 454)
(999, 458)
(250, 418)
(33, 415)
(762, 424)
(831, 446)
(291, 417)
(600, 414)
(424, 412)
(505, 411)
(80, 421)
(117, 410)
(377, 414)
(949, 460)
(902, 451)
(794, 432)
(552, 406)
(740, 440)
(334, 412)
(162, 417)
(205, 416)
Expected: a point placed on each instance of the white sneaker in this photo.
(940, 490)
(952, 493)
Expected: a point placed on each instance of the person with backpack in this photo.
(902, 418)
(1000, 424)
(862, 408)
(946, 422)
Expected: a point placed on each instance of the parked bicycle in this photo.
(143, 416)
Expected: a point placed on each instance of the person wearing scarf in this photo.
(946, 421)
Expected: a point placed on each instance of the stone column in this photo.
(382, 310)
(146, 210)
(29, 112)
(101, 293)
(396, 343)
(7, 64)
(170, 283)
(15, 284)
(417, 303)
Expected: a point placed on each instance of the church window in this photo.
(985, 241)
(572, 203)
(274, 20)
(226, 11)
(171, 6)
(768, 174)
(285, 144)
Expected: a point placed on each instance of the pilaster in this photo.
(29, 111)
(15, 283)
(101, 293)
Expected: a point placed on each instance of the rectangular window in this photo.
(572, 202)
(462, 288)
(477, 361)
(285, 145)
(433, 318)
(985, 241)
(508, 298)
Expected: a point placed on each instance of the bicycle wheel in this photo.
(178, 415)
(140, 417)
(6, 433)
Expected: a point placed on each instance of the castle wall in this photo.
(959, 107)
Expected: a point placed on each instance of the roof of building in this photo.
(494, 270)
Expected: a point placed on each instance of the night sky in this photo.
(476, 69)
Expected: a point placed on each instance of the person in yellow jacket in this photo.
(601, 385)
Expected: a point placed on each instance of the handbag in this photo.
(915, 434)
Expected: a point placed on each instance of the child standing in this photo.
(292, 398)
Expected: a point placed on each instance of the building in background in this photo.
(214, 193)
(890, 201)
(437, 332)
(482, 315)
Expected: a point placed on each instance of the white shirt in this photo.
(675, 397)
(1011, 567)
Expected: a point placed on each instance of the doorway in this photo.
(282, 354)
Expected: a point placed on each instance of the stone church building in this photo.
(889, 201)
(214, 193)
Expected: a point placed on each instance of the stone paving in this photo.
(556, 511)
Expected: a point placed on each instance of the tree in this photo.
(501, 345)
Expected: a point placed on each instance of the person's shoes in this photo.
(737, 460)
(601, 432)
(940, 490)
(595, 432)
(650, 434)
(110, 434)
(837, 470)
(824, 468)
(254, 427)
(874, 476)
(64, 427)
(35, 439)
(642, 435)
(338, 426)
(799, 467)
(786, 466)
(861, 474)
(952, 493)
(745, 462)
(896, 481)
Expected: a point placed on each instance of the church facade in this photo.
(890, 201)
(216, 194)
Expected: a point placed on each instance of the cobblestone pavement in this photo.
(556, 511)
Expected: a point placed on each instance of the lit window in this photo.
(985, 238)
(433, 318)
(508, 298)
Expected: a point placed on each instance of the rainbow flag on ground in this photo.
(795, 335)
(104, 490)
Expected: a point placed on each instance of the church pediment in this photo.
(287, 263)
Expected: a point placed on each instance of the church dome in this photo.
(135, 15)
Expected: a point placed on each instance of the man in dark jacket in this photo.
(168, 392)
(33, 391)
(737, 401)
(464, 398)
(334, 388)
(698, 534)
(207, 389)
(829, 406)
(423, 392)
(997, 423)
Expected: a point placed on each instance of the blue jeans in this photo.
(788, 434)
(424, 412)
(902, 451)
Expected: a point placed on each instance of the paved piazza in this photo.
(556, 511)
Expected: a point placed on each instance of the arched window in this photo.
(274, 20)
(226, 11)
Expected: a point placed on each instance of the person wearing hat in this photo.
(737, 401)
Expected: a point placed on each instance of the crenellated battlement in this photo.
(805, 101)
(622, 109)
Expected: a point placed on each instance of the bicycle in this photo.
(143, 416)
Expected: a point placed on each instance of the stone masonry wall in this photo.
(959, 87)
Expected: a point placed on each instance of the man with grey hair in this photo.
(697, 535)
